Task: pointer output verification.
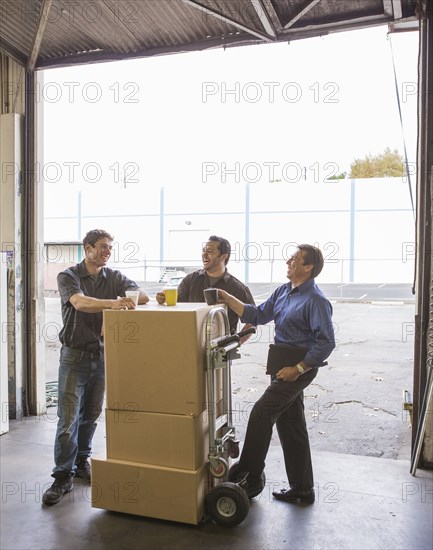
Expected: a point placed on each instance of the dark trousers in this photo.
(281, 404)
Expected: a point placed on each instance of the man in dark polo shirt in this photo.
(215, 256)
(86, 289)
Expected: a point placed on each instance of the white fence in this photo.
(365, 228)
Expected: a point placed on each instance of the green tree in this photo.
(388, 164)
(341, 176)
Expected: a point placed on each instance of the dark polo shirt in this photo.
(83, 330)
(192, 286)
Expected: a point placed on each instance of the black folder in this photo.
(283, 355)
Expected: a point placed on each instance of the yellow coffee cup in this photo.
(171, 296)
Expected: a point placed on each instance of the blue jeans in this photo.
(80, 397)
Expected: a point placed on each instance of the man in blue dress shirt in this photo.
(303, 318)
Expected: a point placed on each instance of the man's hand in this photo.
(225, 298)
(88, 304)
(245, 338)
(160, 298)
(288, 374)
(123, 303)
(222, 296)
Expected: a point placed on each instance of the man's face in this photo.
(212, 258)
(296, 268)
(99, 254)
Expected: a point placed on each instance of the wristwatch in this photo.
(300, 368)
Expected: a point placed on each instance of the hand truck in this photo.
(227, 503)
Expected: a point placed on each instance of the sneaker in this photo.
(60, 487)
(295, 496)
(83, 470)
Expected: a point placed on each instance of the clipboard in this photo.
(283, 355)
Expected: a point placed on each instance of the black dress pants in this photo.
(281, 404)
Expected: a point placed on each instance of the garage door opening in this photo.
(218, 144)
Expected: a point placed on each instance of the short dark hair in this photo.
(223, 246)
(94, 235)
(313, 256)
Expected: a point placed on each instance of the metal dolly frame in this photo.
(227, 503)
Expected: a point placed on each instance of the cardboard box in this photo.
(150, 491)
(155, 358)
(175, 441)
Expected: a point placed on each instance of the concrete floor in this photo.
(362, 503)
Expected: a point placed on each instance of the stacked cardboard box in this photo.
(156, 416)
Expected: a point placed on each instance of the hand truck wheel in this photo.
(219, 469)
(227, 504)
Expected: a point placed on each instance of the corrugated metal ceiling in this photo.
(52, 33)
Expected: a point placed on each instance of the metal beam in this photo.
(43, 18)
(387, 8)
(228, 20)
(99, 56)
(398, 12)
(301, 14)
(403, 26)
(271, 11)
(317, 30)
(264, 17)
(424, 229)
(30, 404)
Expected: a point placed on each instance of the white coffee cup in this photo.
(133, 294)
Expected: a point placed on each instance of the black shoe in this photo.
(252, 486)
(60, 487)
(83, 470)
(295, 496)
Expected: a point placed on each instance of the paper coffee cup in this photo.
(133, 294)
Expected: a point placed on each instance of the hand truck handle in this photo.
(235, 337)
(242, 333)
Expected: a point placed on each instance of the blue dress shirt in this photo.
(303, 318)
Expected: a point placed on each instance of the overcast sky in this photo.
(280, 111)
